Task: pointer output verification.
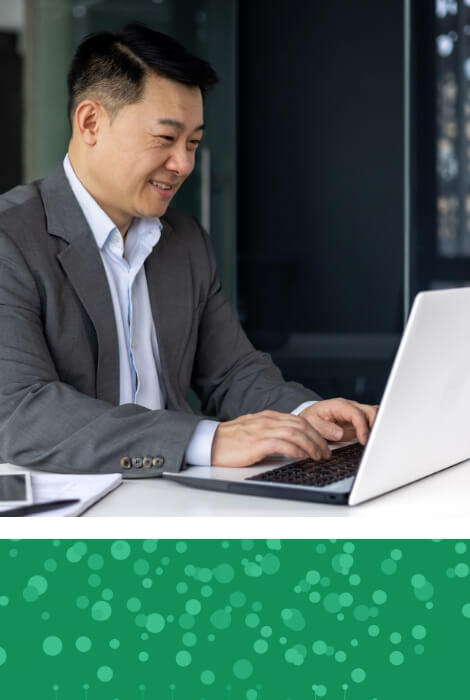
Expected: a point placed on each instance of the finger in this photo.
(328, 429)
(315, 446)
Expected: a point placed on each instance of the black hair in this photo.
(113, 67)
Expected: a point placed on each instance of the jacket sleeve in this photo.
(46, 423)
(230, 377)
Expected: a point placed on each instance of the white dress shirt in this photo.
(140, 376)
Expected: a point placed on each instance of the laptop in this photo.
(422, 424)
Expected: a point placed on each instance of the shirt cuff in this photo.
(199, 448)
(302, 407)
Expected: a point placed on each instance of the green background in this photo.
(234, 619)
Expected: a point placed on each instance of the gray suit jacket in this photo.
(59, 366)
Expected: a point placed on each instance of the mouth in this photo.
(163, 188)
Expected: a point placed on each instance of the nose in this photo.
(181, 161)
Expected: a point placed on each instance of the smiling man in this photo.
(110, 306)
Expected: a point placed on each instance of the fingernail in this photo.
(336, 433)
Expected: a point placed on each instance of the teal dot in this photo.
(45, 616)
(379, 597)
(94, 580)
(189, 639)
(346, 599)
(114, 643)
(207, 677)
(348, 547)
(354, 579)
(107, 594)
(293, 656)
(396, 554)
(247, 545)
(220, 619)
(395, 638)
(75, 553)
(374, 630)
(361, 613)
(266, 631)
(314, 597)
(50, 565)
(193, 607)
(418, 581)
(101, 611)
(340, 657)
(95, 562)
(461, 570)
(83, 644)
(134, 605)
(319, 647)
(396, 658)
(274, 544)
(206, 591)
(186, 621)
(204, 575)
(155, 623)
(460, 547)
(321, 549)
(52, 646)
(30, 594)
(150, 546)
(4, 600)
(293, 619)
(389, 567)
(270, 564)
(242, 669)
(237, 599)
(358, 675)
(181, 547)
(425, 592)
(104, 674)
(143, 656)
(331, 603)
(466, 610)
(224, 573)
(82, 602)
(261, 646)
(120, 550)
(320, 690)
(450, 573)
(418, 632)
(251, 694)
(312, 577)
(141, 567)
(39, 583)
(419, 649)
(3, 656)
(183, 658)
(252, 620)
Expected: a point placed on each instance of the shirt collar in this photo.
(99, 222)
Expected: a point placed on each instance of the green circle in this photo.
(114, 643)
(331, 603)
(104, 674)
(101, 611)
(252, 620)
(294, 656)
(395, 637)
(237, 599)
(83, 644)
(340, 656)
(460, 547)
(358, 675)
(419, 649)
(266, 631)
(312, 577)
(207, 677)
(354, 579)
(419, 632)
(418, 581)
(182, 587)
(251, 694)
(389, 567)
(50, 565)
(270, 564)
(261, 646)
(204, 575)
(193, 606)
(319, 647)
(39, 583)
(150, 546)
(82, 602)
(396, 554)
(462, 570)
(186, 621)
(206, 591)
(224, 573)
(189, 639)
(155, 623)
(30, 594)
(143, 656)
(120, 550)
(107, 594)
(374, 630)
(220, 619)
(348, 547)
(94, 580)
(361, 613)
(242, 669)
(95, 562)
(3, 656)
(346, 599)
(134, 605)
(379, 597)
(141, 567)
(293, 619)
(4, 600)
(396, 658)
(52, 646)
(183, 658)
(314, 597)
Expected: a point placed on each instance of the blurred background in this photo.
(334, 177)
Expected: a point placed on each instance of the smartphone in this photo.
(15, 489)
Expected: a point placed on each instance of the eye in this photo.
(193, 145)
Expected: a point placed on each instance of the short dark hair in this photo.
(113, 67)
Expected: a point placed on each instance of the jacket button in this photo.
(147, 462)
(158, 461)
(125, 463)
(137, 462)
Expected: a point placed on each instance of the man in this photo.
(110, 307)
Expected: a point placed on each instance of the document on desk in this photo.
(82, 491)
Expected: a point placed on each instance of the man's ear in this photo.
(87, 121)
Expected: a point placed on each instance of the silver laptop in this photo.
(422, 425)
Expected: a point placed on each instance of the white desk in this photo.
(443, 495)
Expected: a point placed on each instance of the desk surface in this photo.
(444, 495)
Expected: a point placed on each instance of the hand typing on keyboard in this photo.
(248, 439)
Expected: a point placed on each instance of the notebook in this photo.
(421, 426)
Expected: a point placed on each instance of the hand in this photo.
(341, 420)
(246, 440)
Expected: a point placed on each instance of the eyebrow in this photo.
(178, 125)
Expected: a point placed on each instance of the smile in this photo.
(161, 185)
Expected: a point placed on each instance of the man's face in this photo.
(144, 155)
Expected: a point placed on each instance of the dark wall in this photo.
(11, 111)
(321, 165)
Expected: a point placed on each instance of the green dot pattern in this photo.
(234, 619)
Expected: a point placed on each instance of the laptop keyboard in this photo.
(343, 463)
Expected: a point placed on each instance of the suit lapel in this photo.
(171, 301)
(82, 264)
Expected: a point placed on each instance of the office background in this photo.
(334, 173)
